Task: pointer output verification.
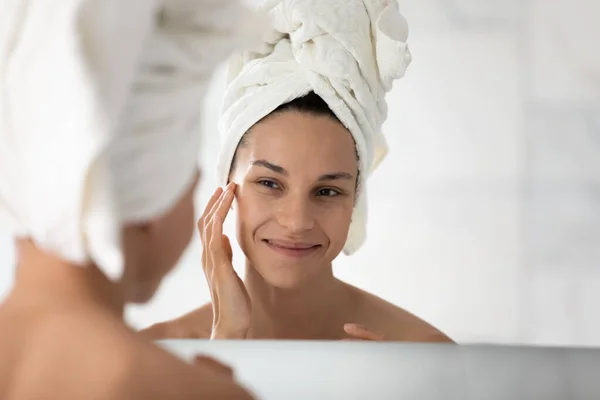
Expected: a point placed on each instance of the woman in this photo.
(98, 170)
(302, 126)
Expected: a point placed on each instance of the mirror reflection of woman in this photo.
(301, 124)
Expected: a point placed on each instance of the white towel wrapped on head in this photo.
(347, 51)
(99, 108)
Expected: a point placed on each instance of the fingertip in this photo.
(352, 327)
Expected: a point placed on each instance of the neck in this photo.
(43, 279)
(317, 308)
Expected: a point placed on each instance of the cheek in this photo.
(336, 223)
(252, 210)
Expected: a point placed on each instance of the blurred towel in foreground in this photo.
(99, 109)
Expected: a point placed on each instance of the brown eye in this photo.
(268, 184)
(328, 192)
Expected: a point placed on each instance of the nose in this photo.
(295, 214)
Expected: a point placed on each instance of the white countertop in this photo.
(379, 370)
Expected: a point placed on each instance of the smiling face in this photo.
(296, 174)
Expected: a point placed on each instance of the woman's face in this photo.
(296, 179)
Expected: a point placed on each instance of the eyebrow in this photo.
(335, 176)
(265, 164)
(281, 171)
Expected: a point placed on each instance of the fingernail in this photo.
(354, 326)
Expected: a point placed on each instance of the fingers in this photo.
(213, 199)
(216, 248)
(204, 223)
(217, 243)
(362, 333)
(221, 209)
(202, 228)
(217, 201)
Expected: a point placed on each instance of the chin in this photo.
(283, 273)
(281, 277)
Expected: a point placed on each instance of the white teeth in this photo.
(286, 247)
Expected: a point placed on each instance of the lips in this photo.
(290, 245)
(291, 249)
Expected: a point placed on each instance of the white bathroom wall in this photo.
(485, 217)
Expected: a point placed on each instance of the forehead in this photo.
(293, 139)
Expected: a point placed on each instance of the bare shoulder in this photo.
(397, 324)
(11, 349)
(87, 348)
(106, 360)
(196, 324)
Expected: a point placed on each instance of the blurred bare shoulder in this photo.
(71, 356)
(97, 357)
